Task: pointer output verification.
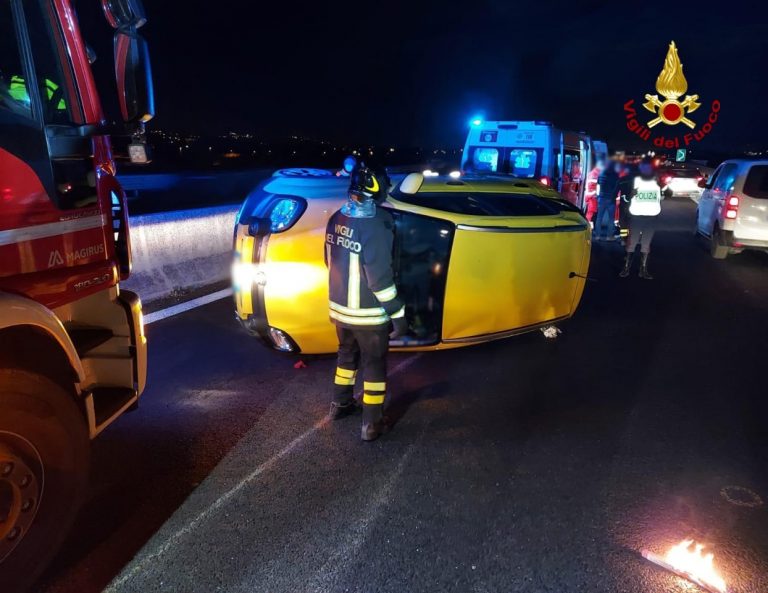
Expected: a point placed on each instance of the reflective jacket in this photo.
(358, 253)
(646, 197)
(18, 91)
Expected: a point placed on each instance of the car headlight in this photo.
(271, 213)
(283, 213)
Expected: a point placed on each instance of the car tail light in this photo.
(544, 180)
(666, 179)
(732, 207)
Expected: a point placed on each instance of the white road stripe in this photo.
(186, 306)
(51, 229)
(227, 496)
(349, 544)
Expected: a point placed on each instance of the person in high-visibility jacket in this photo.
(18, 91)
(641, 209)
(364, 302)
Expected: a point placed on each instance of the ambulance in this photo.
(532, 150)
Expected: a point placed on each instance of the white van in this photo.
(530, 149)
(733, 208)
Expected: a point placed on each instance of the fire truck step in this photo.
(108, 401)
(86, 339)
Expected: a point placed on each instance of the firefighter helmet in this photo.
(367, 184)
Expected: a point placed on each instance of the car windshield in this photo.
(756, 184)
(488, 204)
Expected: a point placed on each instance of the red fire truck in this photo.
(72, 346)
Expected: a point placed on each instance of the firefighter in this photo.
(641, 208)
(363, 297)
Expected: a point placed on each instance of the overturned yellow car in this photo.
(476, 259)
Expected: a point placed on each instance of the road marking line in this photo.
(186, 306)
(338, 562)
(224, 498)
(217, 504)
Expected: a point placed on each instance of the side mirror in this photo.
(133, 74)
(259, 227)
(124, 14)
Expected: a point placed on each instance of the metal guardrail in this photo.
(175, 252)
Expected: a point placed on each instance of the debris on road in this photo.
(551, 331)
(686, 560)
(300, 365)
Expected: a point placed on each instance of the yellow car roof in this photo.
(480, 184)
(486, 184)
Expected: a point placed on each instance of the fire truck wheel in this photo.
(44, 460)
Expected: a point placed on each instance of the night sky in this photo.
(412, 73)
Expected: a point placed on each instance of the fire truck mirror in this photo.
(124, 14)
(134, 78)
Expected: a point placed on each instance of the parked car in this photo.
(733, 208)
(475, 259)
(683, 182)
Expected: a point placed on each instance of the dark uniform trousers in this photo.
(367, 348)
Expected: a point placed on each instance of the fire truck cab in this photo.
(72, 346)
(530, 149)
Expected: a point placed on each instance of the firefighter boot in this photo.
(627, 266)
(344, 403)
(644, 273)
(342, 410)
(373, 422)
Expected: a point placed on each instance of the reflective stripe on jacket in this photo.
(358, 253)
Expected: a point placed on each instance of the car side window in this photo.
(725, 179)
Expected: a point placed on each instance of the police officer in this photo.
(363, 297)
(641, 208)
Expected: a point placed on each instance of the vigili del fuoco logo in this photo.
(668, 108)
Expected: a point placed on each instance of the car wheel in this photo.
(44, 460)
(717, 249)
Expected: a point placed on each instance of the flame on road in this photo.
(688, 560)
(687, 557)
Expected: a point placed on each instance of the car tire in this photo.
(44, 463)
(716, 247)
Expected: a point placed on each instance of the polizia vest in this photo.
(647, 198)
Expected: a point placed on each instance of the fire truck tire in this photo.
(44, 465)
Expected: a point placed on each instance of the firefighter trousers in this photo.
(366, 348)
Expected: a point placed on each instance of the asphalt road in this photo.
(524, 465)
